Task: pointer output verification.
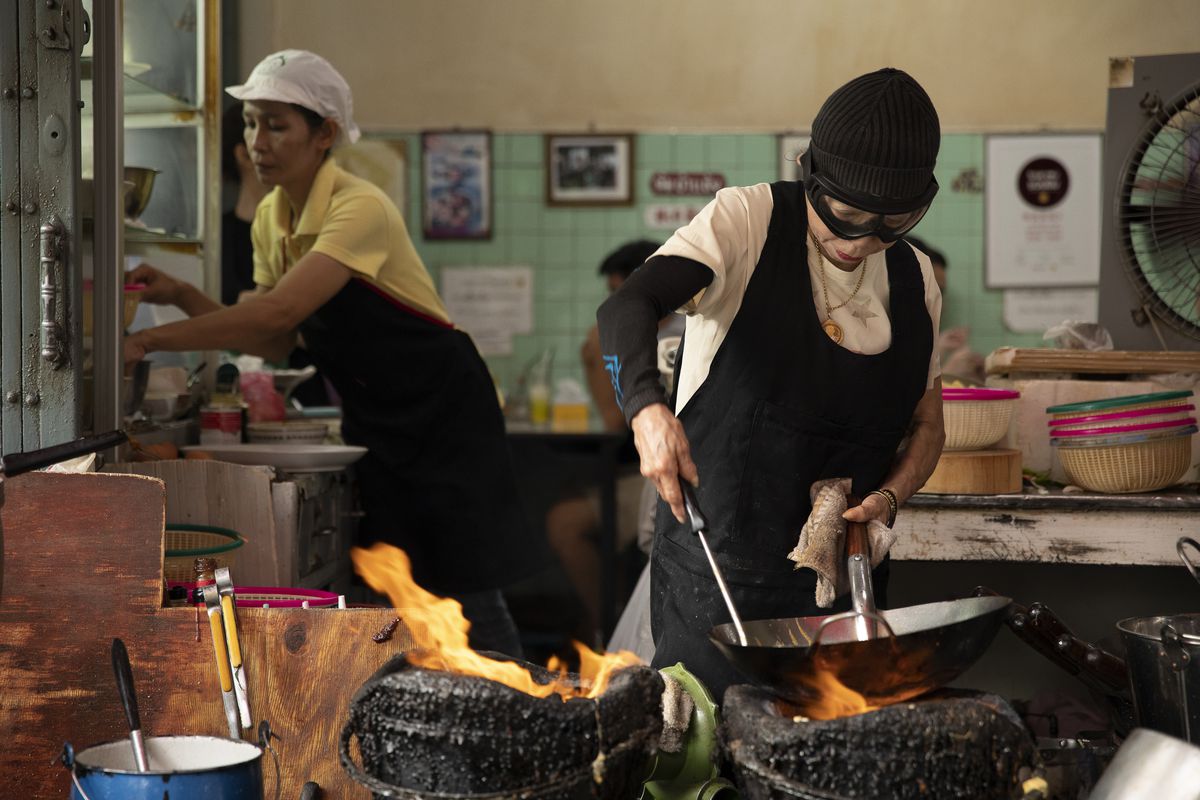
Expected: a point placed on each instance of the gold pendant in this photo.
(833, 330)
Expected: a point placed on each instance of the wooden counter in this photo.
(1054, 528)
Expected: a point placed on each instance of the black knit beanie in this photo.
(876, 139)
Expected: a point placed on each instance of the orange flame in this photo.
(833, 699)
(439, 631)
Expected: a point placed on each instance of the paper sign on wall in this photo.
(670, 217)
(490, 303)
(1043, 211)
(1035, 310)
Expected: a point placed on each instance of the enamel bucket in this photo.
(181, 767)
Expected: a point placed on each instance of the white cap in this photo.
(306, 79)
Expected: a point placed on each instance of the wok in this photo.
(905, 653)
(929, 646)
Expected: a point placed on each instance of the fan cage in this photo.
(1158, 214)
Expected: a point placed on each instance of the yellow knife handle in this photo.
(231, 632)
(214, 619)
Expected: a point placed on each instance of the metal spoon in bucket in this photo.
(120, 660)
(699, 525)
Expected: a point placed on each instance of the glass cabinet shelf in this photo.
(140, 97)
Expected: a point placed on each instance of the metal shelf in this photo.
(140, 97)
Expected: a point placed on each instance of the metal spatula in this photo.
(699, 525)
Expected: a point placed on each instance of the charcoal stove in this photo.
(427, 733)
(950, 744)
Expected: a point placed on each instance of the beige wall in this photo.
(714, 65)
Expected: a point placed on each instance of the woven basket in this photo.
(186, 543)
(1126, 468)
(975, 424)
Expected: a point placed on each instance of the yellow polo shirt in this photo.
(349, 220)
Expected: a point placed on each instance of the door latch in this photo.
(54, 29)
(54, 341)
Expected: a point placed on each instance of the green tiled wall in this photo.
(565, 246)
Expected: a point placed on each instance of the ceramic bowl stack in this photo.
(1136, 443)
(976, 418)
(291, 432)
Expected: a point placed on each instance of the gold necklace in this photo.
(831, 328)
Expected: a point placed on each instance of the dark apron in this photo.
(782, 406)
(437, 481)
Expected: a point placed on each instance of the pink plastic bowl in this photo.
(1182, 423)
(1115, 415)
(979, 393)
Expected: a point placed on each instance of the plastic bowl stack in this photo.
(1137, 443)
(975, 417)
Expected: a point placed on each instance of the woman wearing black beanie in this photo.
(808, 355)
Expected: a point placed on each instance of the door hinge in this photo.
(54, 340)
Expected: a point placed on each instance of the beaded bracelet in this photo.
(893, 505)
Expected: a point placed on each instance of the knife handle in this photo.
(218, 635)
(120, 662)
(231, 632)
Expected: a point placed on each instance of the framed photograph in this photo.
(456, 184)
(592, 170)
(791, 146)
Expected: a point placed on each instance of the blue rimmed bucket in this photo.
(181, 767)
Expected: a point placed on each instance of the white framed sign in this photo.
(490, 303)
(1035, 310)
(1043, 210)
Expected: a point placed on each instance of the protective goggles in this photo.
(846, 219)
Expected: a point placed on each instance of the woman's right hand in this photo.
(665, 454)
(161, 289)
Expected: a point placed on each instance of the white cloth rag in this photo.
(822, 543)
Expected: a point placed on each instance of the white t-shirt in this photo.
(728, 237)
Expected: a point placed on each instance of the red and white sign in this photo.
(670, 217)
(686, 184)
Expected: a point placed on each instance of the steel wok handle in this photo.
(1179, 548)
(816, 642)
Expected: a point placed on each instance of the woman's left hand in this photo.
(872, 507)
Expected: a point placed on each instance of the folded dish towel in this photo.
(822, 543)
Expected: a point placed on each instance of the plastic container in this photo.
(1123, 403)
(131, 299)
(1134, 416)
(186, 543)
(1119, 429)
(272, 596)
(221, 424)
(976, 418)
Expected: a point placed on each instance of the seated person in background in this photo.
(958, 360)
(573, 523)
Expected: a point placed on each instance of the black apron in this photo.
(437, 481)
(783, 406)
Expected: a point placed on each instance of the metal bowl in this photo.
(141, 183)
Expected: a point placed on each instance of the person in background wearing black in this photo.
(237, 251)
(808, 355)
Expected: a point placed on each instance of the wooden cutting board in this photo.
(1007, 360)
(976, 472)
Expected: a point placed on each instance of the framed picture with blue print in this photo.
(456, 184)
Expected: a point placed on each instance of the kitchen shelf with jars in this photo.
(168, 153)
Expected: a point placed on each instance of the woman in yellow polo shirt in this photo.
(334, 263)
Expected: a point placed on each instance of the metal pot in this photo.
(1163, 657)
(1150, 764)
(184, 767)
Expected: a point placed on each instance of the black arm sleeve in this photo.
(628, 322)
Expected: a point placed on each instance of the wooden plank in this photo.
(1048, 536)
(83, 561)
(1007, 360)
(204, 492)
